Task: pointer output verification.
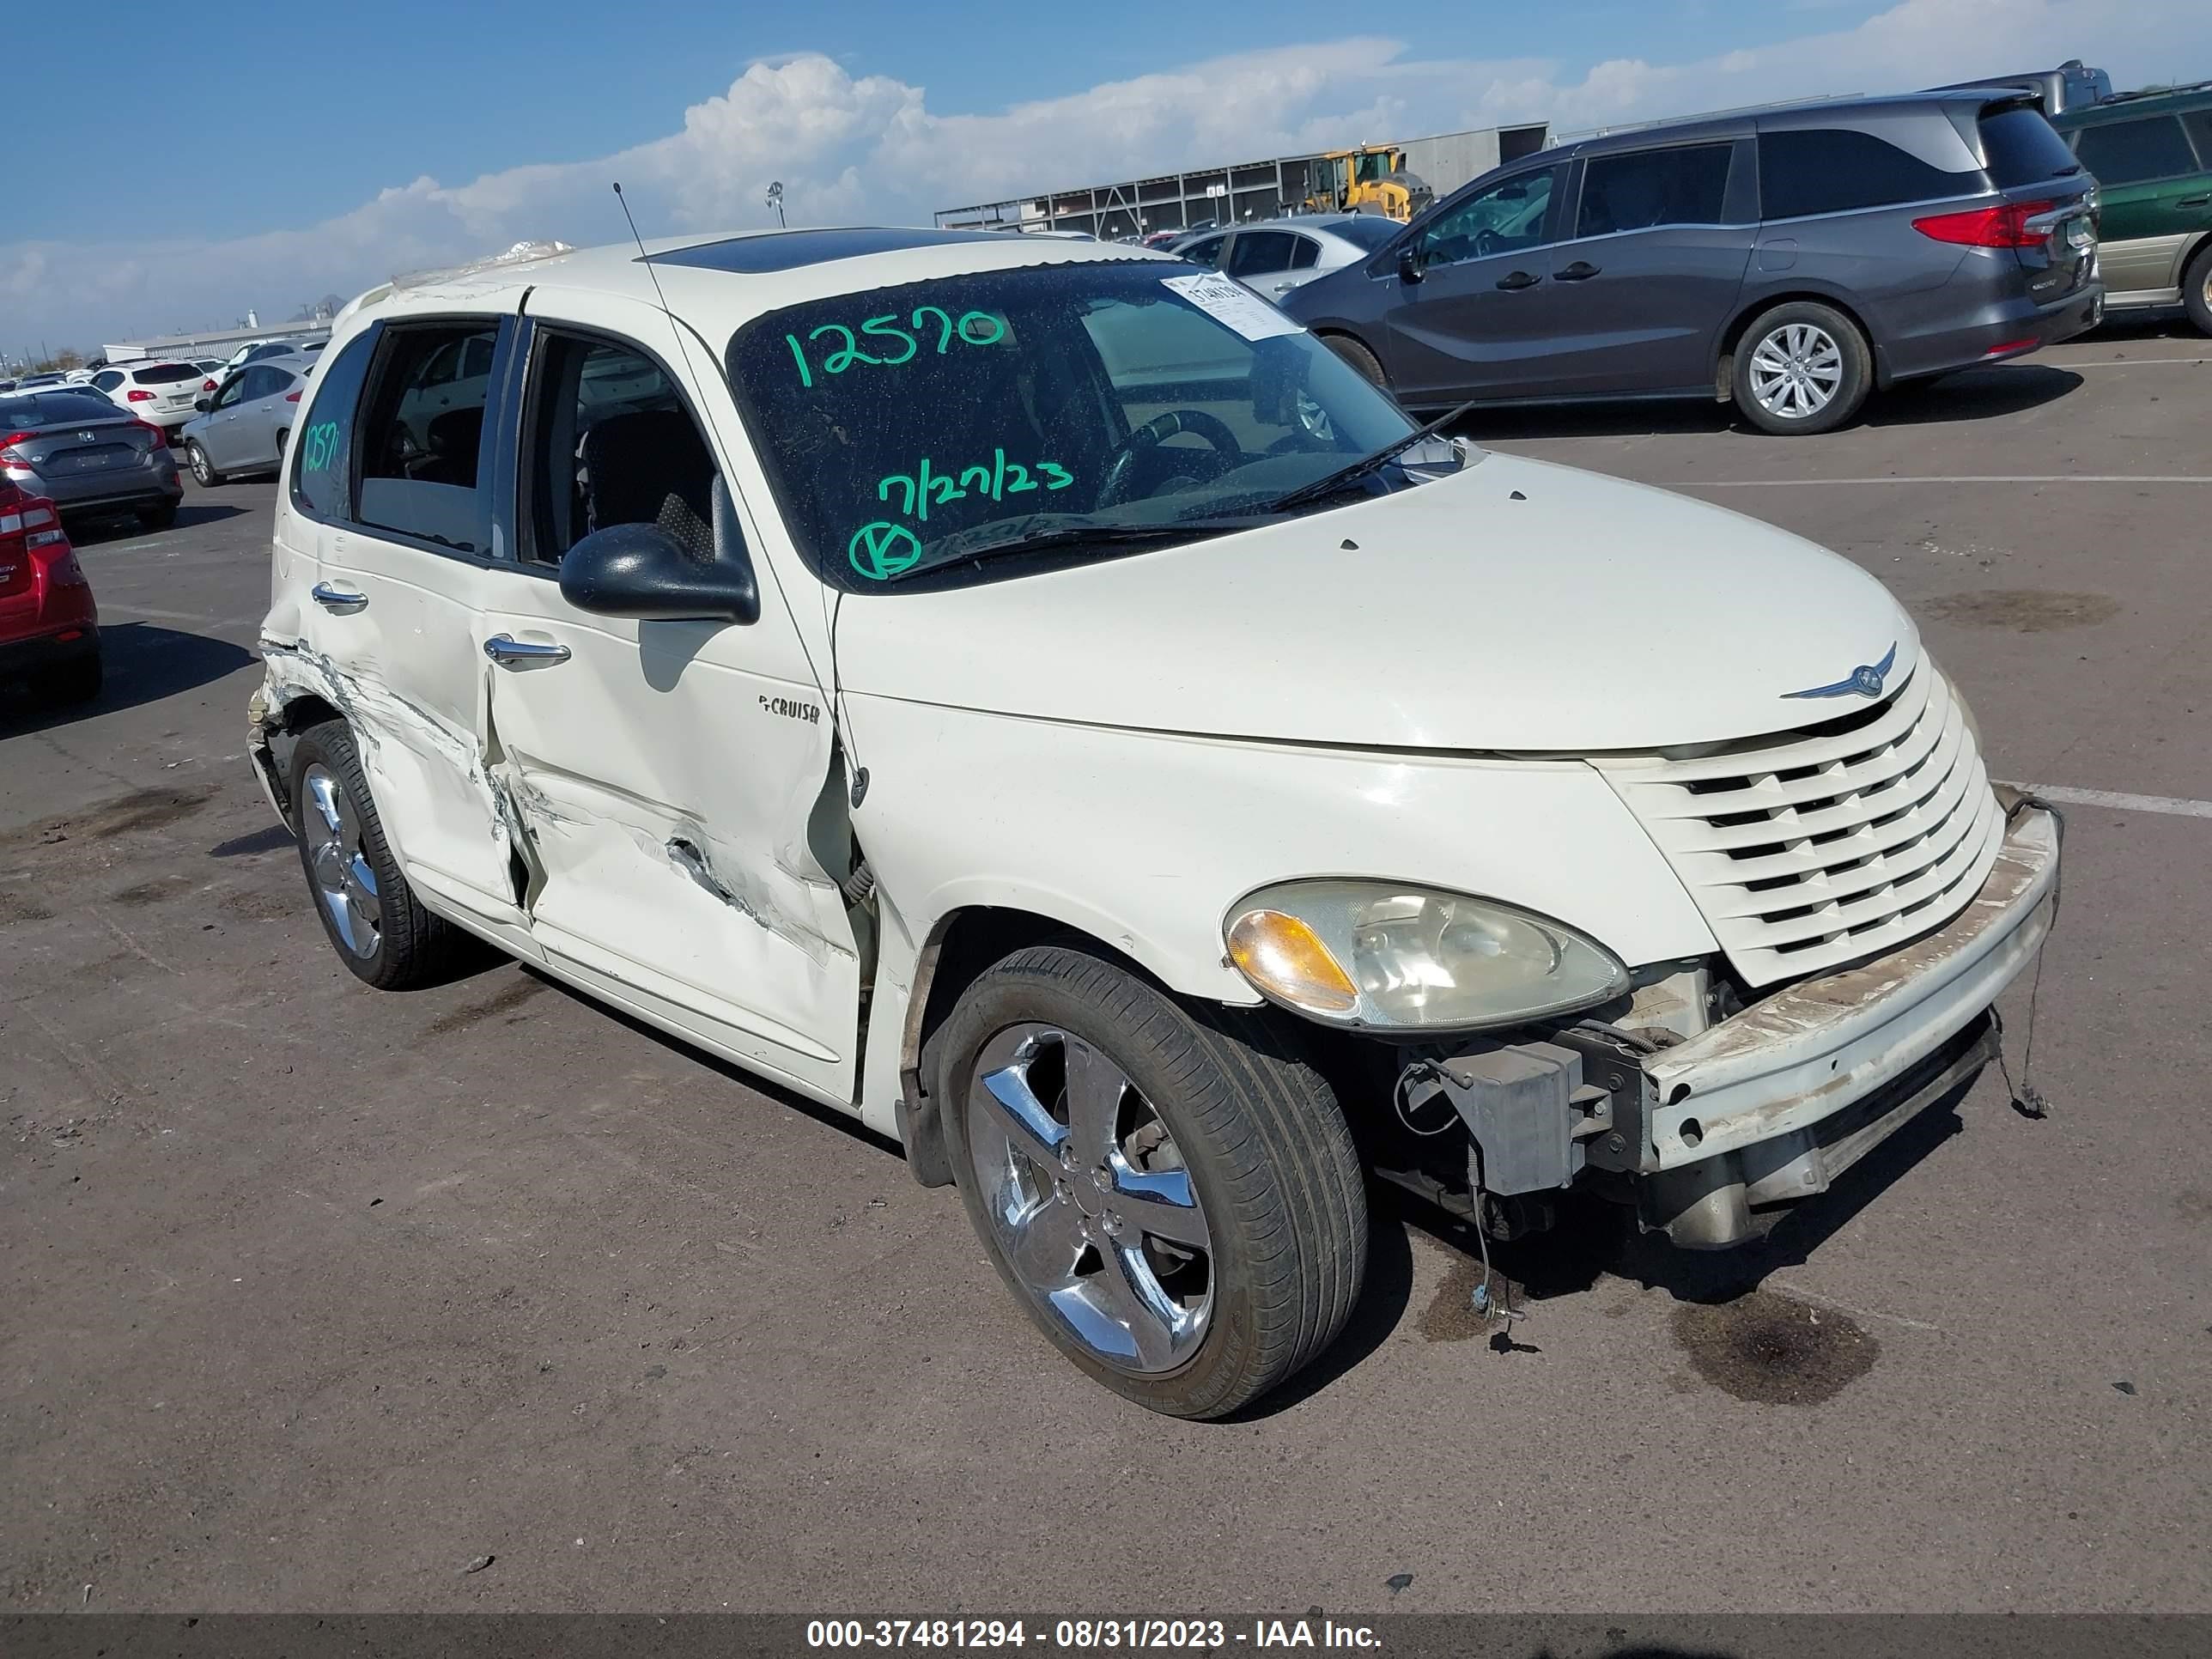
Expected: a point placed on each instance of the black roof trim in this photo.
(788, 250)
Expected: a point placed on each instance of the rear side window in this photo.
(108, 378)
(1258, 251)
(2024, 149)
(2130, 152)
(1838, 170)
(321, 476)
(1306, 254)
(422, 434)
(165, 373)
(1684, 185)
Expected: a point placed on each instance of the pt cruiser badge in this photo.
(1865, 680)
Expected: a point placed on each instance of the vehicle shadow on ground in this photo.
(88, 533)
(1972, 394)
(145, 663)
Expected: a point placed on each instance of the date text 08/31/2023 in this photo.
(1090, 1634)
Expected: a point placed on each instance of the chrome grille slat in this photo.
(1819, 846)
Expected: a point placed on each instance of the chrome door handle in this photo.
(511, 653)
(337, 599)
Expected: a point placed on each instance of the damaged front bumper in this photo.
(1772, 1105)
(1714, 1132)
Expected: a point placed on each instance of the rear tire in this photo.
(2197, 289)
(1369, 367)
(375, 923)
(74, 682)
(203, 475)
(158, 517)
(1240, 1143)
(1800, 368)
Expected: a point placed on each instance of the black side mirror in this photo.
(1409, 262)
(201, 404)
(637, 570)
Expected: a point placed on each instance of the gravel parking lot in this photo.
(317, 1297)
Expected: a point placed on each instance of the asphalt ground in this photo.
(316, 1297)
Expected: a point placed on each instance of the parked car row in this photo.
(2151, 154)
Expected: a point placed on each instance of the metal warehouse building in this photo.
(1243, 189)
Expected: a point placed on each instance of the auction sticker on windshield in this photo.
(1229, 301)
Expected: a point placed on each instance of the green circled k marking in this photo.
(882, 549)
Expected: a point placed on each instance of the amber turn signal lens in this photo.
(1285, 958)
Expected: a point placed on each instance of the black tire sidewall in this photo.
(1206, 1384)
(2194, 280)
(330, 746)
(1363, 362)
(1850, 396)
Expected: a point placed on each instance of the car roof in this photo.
(2125, 105)
(1818, 112)
(717, 284)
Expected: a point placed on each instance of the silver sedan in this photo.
(1271, 257)
(242, 428)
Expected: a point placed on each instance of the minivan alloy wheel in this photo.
(345, 881)
(1089, 1199)
(1795, 369)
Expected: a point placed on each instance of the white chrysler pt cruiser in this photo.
(1034, 697)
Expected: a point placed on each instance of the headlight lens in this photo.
(1383, 955)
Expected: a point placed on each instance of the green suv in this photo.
(2151, 154)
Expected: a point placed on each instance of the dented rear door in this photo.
(675, 778)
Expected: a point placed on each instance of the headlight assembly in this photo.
(1380, 956)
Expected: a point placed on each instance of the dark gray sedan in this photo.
(244, 426)
(86, 456)
(1790, 259)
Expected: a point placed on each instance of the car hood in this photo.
(1513, 606)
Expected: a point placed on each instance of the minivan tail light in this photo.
(2004, 225)
(137, 395)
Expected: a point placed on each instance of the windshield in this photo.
(906, 427)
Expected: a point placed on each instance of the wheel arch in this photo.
(962, 944)
(1738, 326)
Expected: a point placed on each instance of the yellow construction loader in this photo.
(1371, 180)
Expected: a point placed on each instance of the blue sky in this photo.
(456, 90)
(325, 155)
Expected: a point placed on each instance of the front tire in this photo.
(1801, 368)
(1366, 362)
(1170, 1191)
(375, 923)
(2197, 289)
(203, 475)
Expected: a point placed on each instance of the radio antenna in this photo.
(643, 257)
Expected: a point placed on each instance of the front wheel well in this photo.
(961, 947)
(1732, 336)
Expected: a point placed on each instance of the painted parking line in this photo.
(2166, 804)
(1956, 478)
(2133, 362)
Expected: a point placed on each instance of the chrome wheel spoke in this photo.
(1132, 1299)
(1045, 1243)
(1162, 1203)
(1019, 1116)
(1095, 1088)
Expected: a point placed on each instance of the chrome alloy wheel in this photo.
(1089, 1200)
(202, 472)
(337, 853)
(1795, 371)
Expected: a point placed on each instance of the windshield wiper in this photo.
(1074, 534)
(1329, 483)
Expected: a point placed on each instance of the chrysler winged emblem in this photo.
(1866, 680)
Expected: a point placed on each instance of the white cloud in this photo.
(868, 148)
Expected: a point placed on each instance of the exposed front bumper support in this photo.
(1768, 1107)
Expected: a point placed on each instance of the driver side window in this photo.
(1508, 218)
(233, 390)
